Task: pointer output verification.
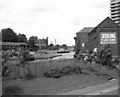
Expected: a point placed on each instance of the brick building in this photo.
(81, 39)
(107, 32)
(42, 43)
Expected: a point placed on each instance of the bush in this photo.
(56, 73)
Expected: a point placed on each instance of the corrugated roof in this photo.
(86, 30)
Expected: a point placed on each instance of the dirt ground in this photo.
(51, 86)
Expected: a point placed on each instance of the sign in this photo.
(108, 38)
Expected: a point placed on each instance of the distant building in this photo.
(115, 11)
(42, 43)
(81, 39)
(107, 32)
(12, 45)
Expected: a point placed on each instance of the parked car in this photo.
(62, 50)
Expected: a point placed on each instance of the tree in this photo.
(51, 45)
(32, 41)
(8, 35)
(22, 38)
(64, 46)
(57, 45)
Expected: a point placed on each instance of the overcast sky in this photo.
(55, 19)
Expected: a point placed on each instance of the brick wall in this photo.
(94, 39)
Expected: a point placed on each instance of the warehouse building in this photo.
(107, 32)
(81, 40)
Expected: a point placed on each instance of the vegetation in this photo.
(56, 47)
(22, 38)
(23, 64)
(68, 70)
(32, 42)
(24, 57)
(8, 35)
(5, 69)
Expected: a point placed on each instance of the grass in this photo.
(12, 90)
(92, 69)
(29, 77)
(42, 85)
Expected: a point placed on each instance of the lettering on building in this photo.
(108, 38)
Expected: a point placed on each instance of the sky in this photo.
(58, 20)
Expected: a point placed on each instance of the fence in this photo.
(38, 68)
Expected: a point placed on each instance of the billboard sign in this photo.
(108, 38)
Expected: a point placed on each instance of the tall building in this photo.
(115, 11)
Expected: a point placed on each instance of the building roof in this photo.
(13, 43)
(86, 30)
(107, 23)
